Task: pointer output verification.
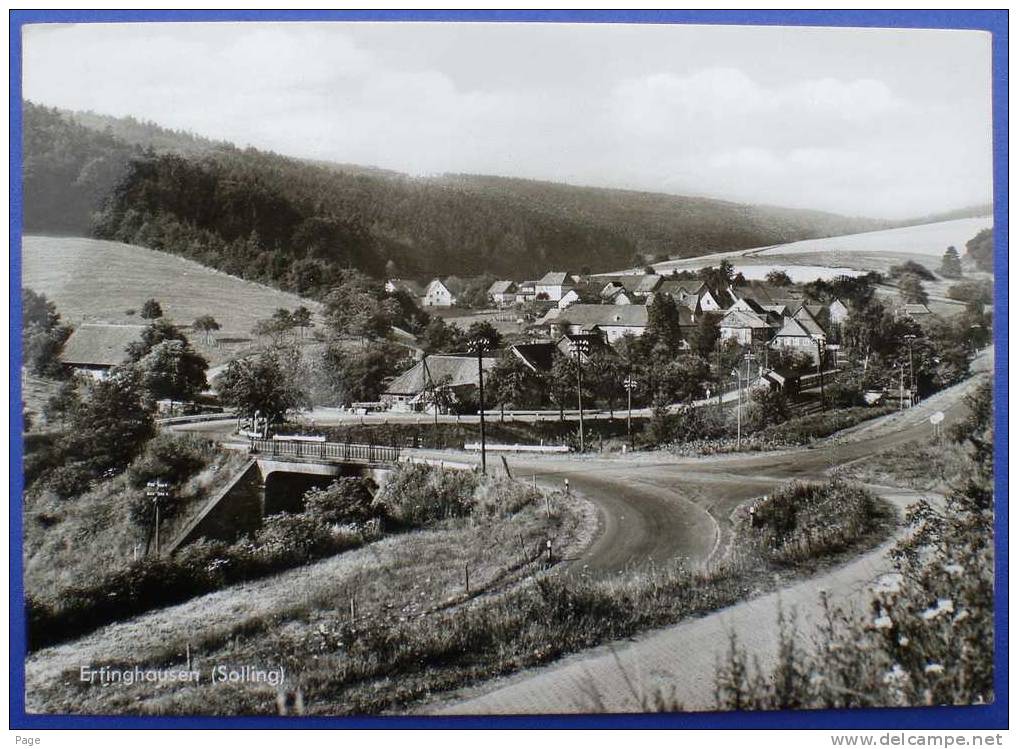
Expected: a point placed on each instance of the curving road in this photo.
(681, 659)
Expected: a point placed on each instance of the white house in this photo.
(553, 285)
(838, 311)
(503, 293)
(437, 294)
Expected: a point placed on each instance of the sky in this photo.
(879, 123)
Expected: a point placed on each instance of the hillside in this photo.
(95, 281)
(293, 224)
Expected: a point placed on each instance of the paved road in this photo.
(683, 657)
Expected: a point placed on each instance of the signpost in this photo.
(157, 491)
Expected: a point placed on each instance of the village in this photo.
(786, 335)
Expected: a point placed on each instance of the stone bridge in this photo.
(275, 480)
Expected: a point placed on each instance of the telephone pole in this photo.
(581, 346)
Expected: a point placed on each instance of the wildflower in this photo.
(903, 641)
(934, 668)
(953, 569)
(883, 622)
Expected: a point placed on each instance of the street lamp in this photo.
(580, 346)
(157, 491)
(629, 384)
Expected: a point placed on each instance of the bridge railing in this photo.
(344, 451)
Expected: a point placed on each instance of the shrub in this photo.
(344, 501)
(171, 457)
(69, 480)
(802, 520)
(416, 495)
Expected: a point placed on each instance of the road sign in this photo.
(937, 418)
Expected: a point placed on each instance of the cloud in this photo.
(838, 121)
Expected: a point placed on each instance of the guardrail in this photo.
(343, 451)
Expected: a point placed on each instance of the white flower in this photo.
(903, 641)
(934, 668)
(962, 616)
(895, 675)
(953, 569)
(883, 622)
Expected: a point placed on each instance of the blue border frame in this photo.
(988, 717)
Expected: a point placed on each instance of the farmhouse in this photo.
(794, 335)
(455, 373)
(613, 321)
(502, 293)
(95, 349)
(838, 312)
(553, 285)
(438, 294)
(744, 327)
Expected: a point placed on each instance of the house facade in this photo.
(503, 293)
(437, 294)
(744, 327)
(553, 285)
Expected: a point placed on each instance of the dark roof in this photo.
(100, 345)
(537, 356)
(452, 370)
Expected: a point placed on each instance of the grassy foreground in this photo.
(393, 653)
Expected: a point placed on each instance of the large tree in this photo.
(110, 425)
(42, 335)
(512, 383)
(950, 266)
(263, 384)
(173, 370)
(980, 250)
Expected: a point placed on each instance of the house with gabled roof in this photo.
(455, 372)
(503, 293)
(838, 311)
(438, 294)
(807, 314)
(94, 349)
(612, 320)
(744, 326)
(796, 336)
(553, 285)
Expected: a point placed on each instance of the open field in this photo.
(93, 280)
(876, 250)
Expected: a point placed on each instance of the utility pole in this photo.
(738, 409)
(821, 348)
(910, 339)
(580, 346)
(157, 491)
(480, 345)
(629, 383)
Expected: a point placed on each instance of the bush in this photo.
(803, 520)
(171, 457)
(416, 495)
(69, 480)
(344, 501)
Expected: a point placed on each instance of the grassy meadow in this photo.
(92, 280)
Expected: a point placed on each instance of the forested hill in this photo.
(294, 223)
